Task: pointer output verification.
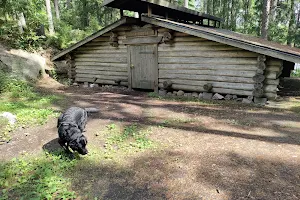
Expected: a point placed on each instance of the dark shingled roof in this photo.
(159, 7)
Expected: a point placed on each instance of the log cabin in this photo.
(182, 49)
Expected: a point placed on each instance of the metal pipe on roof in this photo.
(186, 3)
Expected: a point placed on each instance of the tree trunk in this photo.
(50, 19)
(273, 9)
(291, 30)
(56, 5)
(265, 19)
(21, 22)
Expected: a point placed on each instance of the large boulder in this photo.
(22, 64)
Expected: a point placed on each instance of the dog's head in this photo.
(79, 144)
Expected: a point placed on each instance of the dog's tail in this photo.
(91, 110)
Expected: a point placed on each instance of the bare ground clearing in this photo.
(205, 150)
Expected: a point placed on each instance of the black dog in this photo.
(70, 126)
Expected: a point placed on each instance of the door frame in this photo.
(155, 65)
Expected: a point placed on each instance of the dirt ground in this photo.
(208, 151)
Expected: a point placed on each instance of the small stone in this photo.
(234, 97)
(207, 95)
(246, 100)
(75, 84)
(180, 93)
(85, 85)
(217, 96)
(12, 119)
(162, 92)
(175, 92)
(188, 95)
(169, 94)
(250, 98)
(200, 96)
(195, 94)
(239, 99)
(261, 101)
(228, 97)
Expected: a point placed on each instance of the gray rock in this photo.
(217, 96)
(94, 85)
(228, 97)
(188, 95)
(250, 98)
(169, 94)
(195, 94)
(175, 92)
(180, 93)
(200, 96)
(12, 119)
(261, 101)
(246, 100)
(234, 97)
(85, 85)
(239, 99)
(162, 92)
(207, 95)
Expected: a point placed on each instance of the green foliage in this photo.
(41, 177)
(30, 107)
(131, 138)
(296, 73)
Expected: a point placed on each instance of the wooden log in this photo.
(208, 54)
(198, 60)
(104, 77)
(271, 82)
(261, 65)
(143, 40)
(258, 85)
(167, 37)
(101, 39)
(197, 48)
(104, 51)
(84, 48)
(261, 58)
(202, 43)
(248, 74)
(270, 88)
(96, 72)
(258, 92)
(270, 96)
(189, 39)
(91, 44)
(206, 67)
(259, 78)
(260, 71)
(100, 68)
(92, 55)
(95, 64)
(274, 62)
(103, 60)
(208, 87)
(207, 78)
(167, 84)
(227, 85)
(101, 81)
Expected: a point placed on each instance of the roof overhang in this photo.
(124, 20)
(249, 43)
(161, 8)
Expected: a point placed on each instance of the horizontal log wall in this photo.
(190, 62)
(98, 59)
(275, 67)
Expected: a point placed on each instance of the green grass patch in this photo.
(30, 107)
(131, 138)
(41, 177)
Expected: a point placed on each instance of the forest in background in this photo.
(35, 24)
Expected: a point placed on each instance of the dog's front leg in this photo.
(64, 146)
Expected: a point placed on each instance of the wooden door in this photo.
(143, 67)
